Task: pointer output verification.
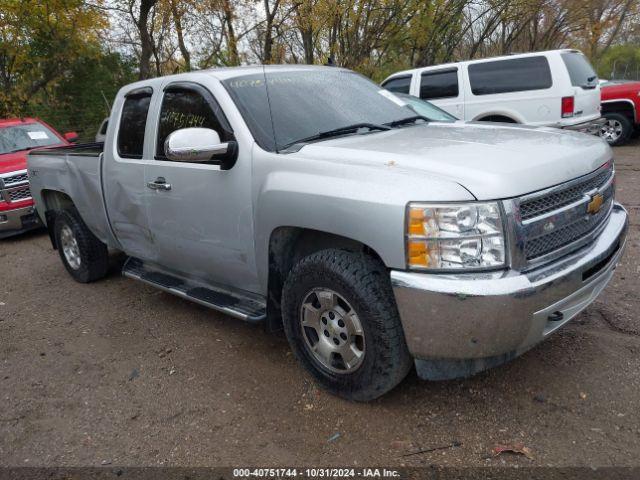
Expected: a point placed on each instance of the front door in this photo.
(124, 174)
(201, 219)
(443, 88)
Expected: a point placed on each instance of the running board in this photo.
(245, 306)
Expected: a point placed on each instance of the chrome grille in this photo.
(557, 221)
(14, 187)
(10, 180)
(19, 193)
(566, 235)
(563, 197)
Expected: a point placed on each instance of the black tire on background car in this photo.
(342, 323)
(84, 256)
(617, 130)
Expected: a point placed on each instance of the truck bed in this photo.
(76, 171)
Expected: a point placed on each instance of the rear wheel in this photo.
(342, 323)
(617, 130)
(84, 256)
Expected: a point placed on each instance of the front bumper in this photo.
(14, 222)
(591, 127)
(465, 323)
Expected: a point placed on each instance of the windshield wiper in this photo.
(20, 150)
(337, 132)
(404, 121)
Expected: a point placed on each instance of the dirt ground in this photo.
(117, 373)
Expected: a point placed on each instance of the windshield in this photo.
(580, 70)
(26, 136)
(426, 109)
(299, 104)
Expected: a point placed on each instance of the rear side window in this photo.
(439, 84)
(187, 108)
(132, 124)
(398, 84)
(580, 70)
(514, 75)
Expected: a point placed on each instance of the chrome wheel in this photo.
(611, 131)
(70, 248)
(332, 331)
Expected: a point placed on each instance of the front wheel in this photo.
(84, 256)
(342, 323)
(617, 129)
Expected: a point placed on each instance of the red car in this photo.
(621, 107)
(17, 137)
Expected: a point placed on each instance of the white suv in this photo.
(556, 88)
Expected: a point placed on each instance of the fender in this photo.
(329, 196)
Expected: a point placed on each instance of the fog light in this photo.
(3, 218)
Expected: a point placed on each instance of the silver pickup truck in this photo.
(309, 199)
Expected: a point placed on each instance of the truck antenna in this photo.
(273, 127)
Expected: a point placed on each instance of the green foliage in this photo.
(82, 99)
(38, 41)
(620, 62)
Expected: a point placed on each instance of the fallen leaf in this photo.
(517, 448)
(400, 445)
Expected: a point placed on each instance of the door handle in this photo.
(159, 184)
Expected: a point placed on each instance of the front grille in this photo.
(556, 221)
(13, 179)
(563, 197)
(566, 235)
(14, 187)
(19, 193)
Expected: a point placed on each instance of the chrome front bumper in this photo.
(14, 222)
(465, 323)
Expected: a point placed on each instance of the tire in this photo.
(84, 256)
(361, 295)
(618, 129)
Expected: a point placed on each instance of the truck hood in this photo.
(492, 161)
(11, 162)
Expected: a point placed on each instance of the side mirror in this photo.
(194, 145)
(70, 137)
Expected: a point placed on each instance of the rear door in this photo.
(584, 83)
(443, 88)
(202, 221)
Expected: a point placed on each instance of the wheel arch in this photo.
(54, 201)
(497, 117)
(287, 246)
(623, 106)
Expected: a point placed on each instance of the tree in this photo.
(38, 41)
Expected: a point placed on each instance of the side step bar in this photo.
(245, 306)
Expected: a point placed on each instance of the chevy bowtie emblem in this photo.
(595, 204)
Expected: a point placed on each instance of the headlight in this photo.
(455, 236)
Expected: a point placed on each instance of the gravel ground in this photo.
(118, 373)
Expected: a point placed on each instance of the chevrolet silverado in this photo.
(310, 199)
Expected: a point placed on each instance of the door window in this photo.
(398, 84)
(189, 108)
(513, 75)
(439, 84)
(133, 122)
